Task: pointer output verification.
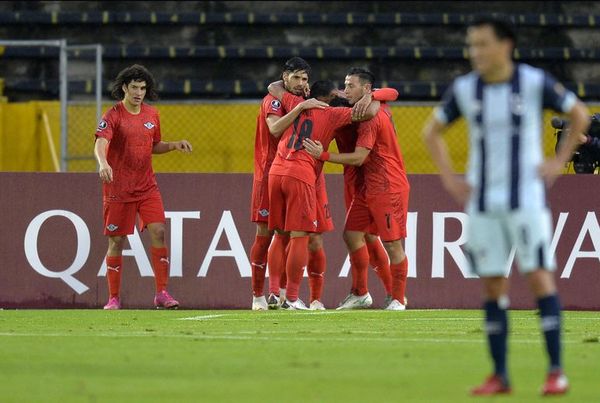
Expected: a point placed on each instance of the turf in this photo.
(243, 356)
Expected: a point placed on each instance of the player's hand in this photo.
(314, 148)
(313, 103)
(550, 169)
(106, 173)
(183, 146)
(307, 91)
(458, 188)
(360, 107)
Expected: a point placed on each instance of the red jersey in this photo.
(265, 144)
(383, 170)
(129, 152)
(316, 124)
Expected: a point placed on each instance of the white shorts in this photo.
(494, 239)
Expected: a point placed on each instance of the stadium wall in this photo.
(53, 247)
(222, 135)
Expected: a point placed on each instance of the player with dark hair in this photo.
(270, 124)
(292, 179)
(504, 189)
(345, 138)
(127, 136)
(381, 197)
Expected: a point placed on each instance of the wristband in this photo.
(324, 156)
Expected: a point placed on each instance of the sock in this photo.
(276, 261)
(360, 262)
(378, 259)
(160, 267)
(550, 321)
(114, 266)
(317, 263)
(496, 327)
(258, 260)
(354, 274)
(296, 262)
(399, 273)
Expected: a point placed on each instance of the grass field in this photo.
(244, 356)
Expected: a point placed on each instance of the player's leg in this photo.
(389, 213)
(119, 221)
(379, 261)
(300, 220)
(317, 261)
(152, 216)
(358, 221)
(276, 256)
(316, 270)
(488, 248)
(262, 240)
(532, 232)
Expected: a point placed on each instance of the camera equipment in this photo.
(587, 157)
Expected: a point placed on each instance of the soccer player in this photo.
(345, 138)
(504, 190)
(270, 124)
(127, 136)
(381, 199)
(292, 179)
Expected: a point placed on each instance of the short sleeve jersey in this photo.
(345, 138)
(265, 144)
(129, 152)
(383, 170)
(505, 123)
(316, 124)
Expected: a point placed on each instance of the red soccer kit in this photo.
(265, 148)
(383, 188)
(294, 172)
(129, 154)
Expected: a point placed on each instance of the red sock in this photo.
(399, 274)
(360, 263)
(114, 265)
(296, 262)
(276, 261)
(317, 262)
(378, 259)
(160, 266)
(354, 273)
(258, 260)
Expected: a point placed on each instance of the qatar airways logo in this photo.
(438, 247)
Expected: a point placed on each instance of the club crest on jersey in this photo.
(275, 105)
(112, 227)
(149, 125)
(102, 125)
(264, 212)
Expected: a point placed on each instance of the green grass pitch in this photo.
(276, 356)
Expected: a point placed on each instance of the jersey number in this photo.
(299, 136)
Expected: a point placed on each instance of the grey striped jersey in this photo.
(505, 135)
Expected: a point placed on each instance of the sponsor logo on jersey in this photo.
(149, 125)
(264, 212)
(315, 223)
(112, 227)
(102, 125)
(275, 105)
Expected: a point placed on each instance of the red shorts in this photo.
(119, 218)
(259, 210)
(387, 211)
(324, 221)
(293, 204)
(349, 192)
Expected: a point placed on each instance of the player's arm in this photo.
(442, 116)
(104, 169)
(277, 89)
(356, 158)
(369, 113)
(381, 94)
(163, 147)
(279, 124)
